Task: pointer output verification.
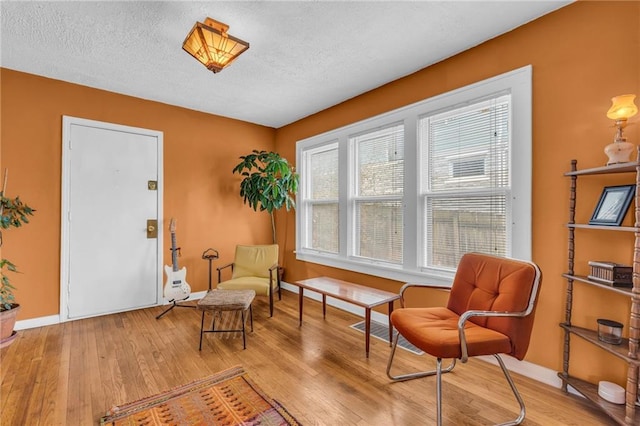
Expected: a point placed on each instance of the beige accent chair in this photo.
(254, 268)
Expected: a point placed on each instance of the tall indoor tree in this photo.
(269, 183)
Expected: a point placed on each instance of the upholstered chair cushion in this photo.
(435, 331)
(254, 261)
(483, 283)
(496, 284)
(258, 284)
(251, 269)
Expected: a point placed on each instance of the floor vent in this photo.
(381, 331)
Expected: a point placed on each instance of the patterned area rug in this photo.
(225, 398)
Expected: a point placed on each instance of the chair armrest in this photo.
(468, 314)
(220, 268)
(411, 285)
(275, 268)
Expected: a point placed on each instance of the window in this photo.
(403, 195)
(465, 183)
(321, 203)
(377, 198)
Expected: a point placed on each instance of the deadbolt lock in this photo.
(152, 228)
(152, 185)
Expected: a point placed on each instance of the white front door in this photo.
(108, 262)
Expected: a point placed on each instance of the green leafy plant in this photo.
(269, 183)
(13, 214)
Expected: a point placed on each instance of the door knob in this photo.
(152, 228)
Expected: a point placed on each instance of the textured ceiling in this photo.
(304, 57)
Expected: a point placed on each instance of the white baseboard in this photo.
(525, 368)
(192, 296)
(37, 322)
(55, 319)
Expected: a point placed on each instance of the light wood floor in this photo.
(70, 374)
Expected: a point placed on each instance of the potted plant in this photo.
(269, 183)
(13, 214)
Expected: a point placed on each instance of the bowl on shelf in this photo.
(609, 331)
(611, 392)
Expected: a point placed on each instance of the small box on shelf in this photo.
(610, 273)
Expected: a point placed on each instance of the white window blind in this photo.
(321, 199)
(377, 213)
(465, 181)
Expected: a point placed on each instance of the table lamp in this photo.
(622, 108)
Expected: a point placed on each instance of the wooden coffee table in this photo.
(359, 295)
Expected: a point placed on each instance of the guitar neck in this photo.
(174, 252)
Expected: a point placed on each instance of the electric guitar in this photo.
(176, 287)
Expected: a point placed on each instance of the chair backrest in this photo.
(254, 261)
(490, 283)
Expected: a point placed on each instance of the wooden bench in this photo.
(217, 301)
(363, 296)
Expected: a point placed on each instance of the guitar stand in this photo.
(175, 304)
(210, 254)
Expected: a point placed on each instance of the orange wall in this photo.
(200, 191)
(582, 55)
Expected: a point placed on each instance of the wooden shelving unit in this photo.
(628, 414)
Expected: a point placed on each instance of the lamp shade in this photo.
(210, 44)
(622, 107)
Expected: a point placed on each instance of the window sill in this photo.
(444, 278)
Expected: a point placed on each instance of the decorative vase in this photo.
(7, 322)
(619, 152)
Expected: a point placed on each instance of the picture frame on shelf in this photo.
(613, 205)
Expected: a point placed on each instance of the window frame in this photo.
(519, 84)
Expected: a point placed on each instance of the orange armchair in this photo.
(254, 268)
(490, 311)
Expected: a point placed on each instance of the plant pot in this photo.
(8, 321)
(9, 340)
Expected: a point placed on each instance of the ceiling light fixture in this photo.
(210, 44)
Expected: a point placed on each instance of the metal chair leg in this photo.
(416, 375)
(251, 317)
(271, 302)
(244, 337)
(520, 418)
(201, 331)
(439, 391)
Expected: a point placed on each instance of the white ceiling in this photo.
(305, 56)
